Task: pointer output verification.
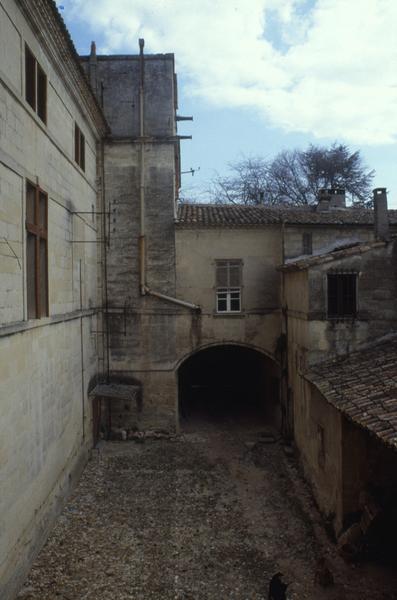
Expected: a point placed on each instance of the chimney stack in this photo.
(337, 198)
(381, 216)
(92, 69)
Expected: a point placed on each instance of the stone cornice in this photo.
(48, 25)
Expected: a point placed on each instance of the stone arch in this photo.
(228, 380)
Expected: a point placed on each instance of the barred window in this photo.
(342, 295)
(228, 286)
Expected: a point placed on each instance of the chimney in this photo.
(337, 198)
(92, 69)
(323, 200)
(381, 216)
(93, 51)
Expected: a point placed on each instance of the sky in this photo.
(260, 76)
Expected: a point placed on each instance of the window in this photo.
(228, 286)
(36, 251)
(35, 85)
(342, 295)
(307, 243)
(79, 147)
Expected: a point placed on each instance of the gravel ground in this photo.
(204, 516)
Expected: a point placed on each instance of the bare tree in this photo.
(295, 177)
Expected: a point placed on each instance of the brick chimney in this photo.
(381, 217)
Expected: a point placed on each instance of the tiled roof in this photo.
(238, 215)
(337, 253)
(363, 386)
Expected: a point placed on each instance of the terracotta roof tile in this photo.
(235, 215)
(373, 403)
(306, 262)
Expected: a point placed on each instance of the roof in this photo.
(240, 215)
(363, 387)
(305, 262)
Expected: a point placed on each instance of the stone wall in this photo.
(141, 328)
(47, 364)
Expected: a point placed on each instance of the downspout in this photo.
(284, 363)
(142, 240)
(173, 300)
(144, 289)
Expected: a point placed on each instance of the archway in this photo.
(229, 383)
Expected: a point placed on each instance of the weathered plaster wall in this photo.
(377, 310)
(258, 325)
(323, 238)
(368, 465)
(142, 329)
(46, 365)
(318, 435)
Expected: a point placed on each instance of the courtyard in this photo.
(212, 514)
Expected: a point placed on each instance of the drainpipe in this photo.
(144, 289)
(142, 240)
(173, 300)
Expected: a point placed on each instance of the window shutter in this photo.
(222, 274)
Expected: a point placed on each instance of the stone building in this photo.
(342, 376)
(120, 309)
(50, 127)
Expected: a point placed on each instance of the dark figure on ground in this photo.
(277, 588)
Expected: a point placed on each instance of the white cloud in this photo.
(322, 67)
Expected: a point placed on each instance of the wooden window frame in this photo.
(342, 304)
(39, 232)
(228, 295)
(79, 147)
(36, 79)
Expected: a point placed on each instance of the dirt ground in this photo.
(207, 515)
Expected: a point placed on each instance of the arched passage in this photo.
(229, 382)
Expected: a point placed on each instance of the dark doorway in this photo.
(228, 382)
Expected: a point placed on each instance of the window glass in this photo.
(41, 94)
(82, 151)
(35, 85)
(30, 78)
(43, 278)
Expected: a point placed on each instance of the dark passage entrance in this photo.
(229, 382)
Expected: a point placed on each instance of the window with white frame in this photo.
(228, 286)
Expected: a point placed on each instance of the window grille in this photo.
(342, 295)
